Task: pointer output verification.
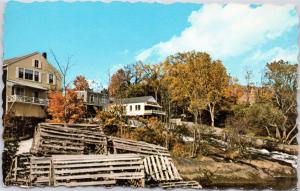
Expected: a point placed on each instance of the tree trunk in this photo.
(211, 107)
(289, 134)
(269, 134)
(156, 92)
(278, 133)
(291, 140)
(194, 136)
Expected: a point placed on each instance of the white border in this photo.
(2, 9)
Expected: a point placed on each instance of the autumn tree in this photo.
(118, 84)
(64, 69)
(80, 83)
(69, 109)
(282, 80)
(183, 74)
(195, 77)
(153, 77)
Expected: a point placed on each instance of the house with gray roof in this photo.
(140, 106)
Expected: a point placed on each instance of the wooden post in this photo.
(52, 180)
(30, 172)
(15, 169)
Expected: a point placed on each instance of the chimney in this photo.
(44, 55)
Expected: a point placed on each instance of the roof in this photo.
(16, 59)
(138, 99)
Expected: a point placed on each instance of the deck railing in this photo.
(158, 112)
(27, 99)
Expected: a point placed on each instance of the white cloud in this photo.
(96, 85)
(226, 31)
(275, 54)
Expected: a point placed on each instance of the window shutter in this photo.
(33, 62)
(40, 77)
(47, 78)
(17, 72)
(40, 64)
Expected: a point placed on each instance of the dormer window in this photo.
(36, 63)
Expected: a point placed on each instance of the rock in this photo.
(211, 173)
(273, 169)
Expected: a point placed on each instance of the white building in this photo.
(140, 106)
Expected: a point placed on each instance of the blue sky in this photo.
(102, 37)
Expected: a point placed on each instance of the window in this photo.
(21, 73)
(137, 107)
(19, 91)
(36, 64)
(92, 98)
(51, 79)
(36, 76)
(130, 108)
(28, 74)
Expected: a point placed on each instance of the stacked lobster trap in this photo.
(82, 155)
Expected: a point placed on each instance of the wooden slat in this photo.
(90, 183)
(160, 171)
(161, 168)
(146, 165)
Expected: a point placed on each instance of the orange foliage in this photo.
(81, 83)
(69, 109)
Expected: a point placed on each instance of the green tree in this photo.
(281, 78)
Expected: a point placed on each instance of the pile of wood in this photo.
(82, 155)
(72, 139)
(77, 170)
(160, 169)
(142, 148)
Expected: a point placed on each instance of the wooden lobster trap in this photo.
(86, 170)
(160, 168)
(60, 139)
(27, 170)
(77, 170)
(141, 148)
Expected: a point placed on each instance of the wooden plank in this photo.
(124, 175)
(93, 136)
(87, 170)
(169, 170)
(146, 166)
(63, 147)
(176, 174)
(90, 183)
(164, 167)
(162, 177)
(70, 138)
(149, 165)
(139, 150)
(156, 173)
(57, 166)
(70, 129)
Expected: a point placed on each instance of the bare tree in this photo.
(64, 70)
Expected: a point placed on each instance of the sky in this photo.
(102, 37)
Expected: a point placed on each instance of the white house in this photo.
(141, 106)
